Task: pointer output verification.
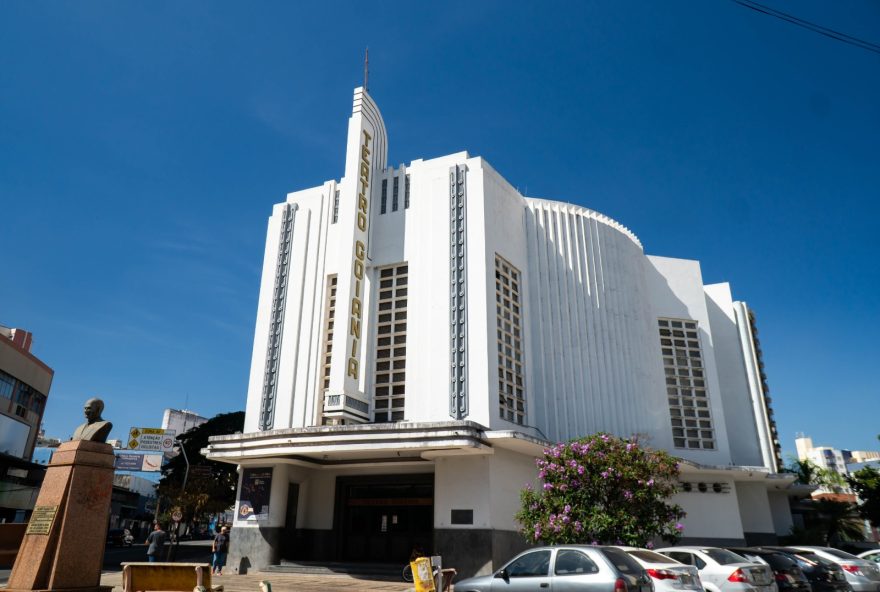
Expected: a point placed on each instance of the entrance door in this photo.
(382, 518)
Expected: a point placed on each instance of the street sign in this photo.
(200, 471)
(177, 515)
(151, 439)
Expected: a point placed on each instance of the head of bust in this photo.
(93, 409)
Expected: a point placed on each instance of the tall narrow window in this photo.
(394, 193)
(7, 384)
(686, 384)
(390, 382)
(511, 397)
(406, 192)
(384, 207)
(329, 319)
(335, 207)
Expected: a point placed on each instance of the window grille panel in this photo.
(686, 390)
(389, 390)
(511, 393)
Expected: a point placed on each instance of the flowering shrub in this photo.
(602, 490)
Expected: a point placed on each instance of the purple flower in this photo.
(548, 486)
(679, 526)
(566, 509)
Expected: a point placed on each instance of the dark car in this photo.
(563, 568)
(117, 537)
(824, 575)
(788, 574)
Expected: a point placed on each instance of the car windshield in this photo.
(651, 557)
(840, 554)
(623, 562)
(813, 559)
(723, 556)
(777, 561)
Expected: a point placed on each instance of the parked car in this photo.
(824, 575)
(872, 555)
(667, 574)
(788, 574)
(862, 575)
(723, 571)
(565, 568)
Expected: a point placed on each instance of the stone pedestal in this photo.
(63, 547)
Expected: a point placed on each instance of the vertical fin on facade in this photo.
(458, 391)
(276, 321)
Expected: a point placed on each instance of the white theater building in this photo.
(422, 334)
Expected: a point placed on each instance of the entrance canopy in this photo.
(401, 442)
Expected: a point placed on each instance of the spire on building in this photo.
(366, 68)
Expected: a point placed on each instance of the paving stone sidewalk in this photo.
(286, 583)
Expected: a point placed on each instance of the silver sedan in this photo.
(564, 568)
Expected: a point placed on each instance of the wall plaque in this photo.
(41, 520)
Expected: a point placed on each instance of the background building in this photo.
(181, 420)
(841, 462)
(24, 387)
(423, 332)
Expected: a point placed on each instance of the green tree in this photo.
(809, 473)
(602, 489)
(865, 483)
(838, 521)
(210, 485)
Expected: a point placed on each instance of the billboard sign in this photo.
(253, 501)
(126, 461)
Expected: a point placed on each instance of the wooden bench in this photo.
(167, 577)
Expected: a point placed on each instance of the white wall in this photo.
(711, 515)
(463, 483)
(754, 507)
(780, 508)
(734, 388)
(676, 287)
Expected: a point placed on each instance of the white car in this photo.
(861, 574)
(668, 574)
(724, 571)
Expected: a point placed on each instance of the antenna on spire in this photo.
(366, 67)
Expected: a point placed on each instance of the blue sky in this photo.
(142, 145)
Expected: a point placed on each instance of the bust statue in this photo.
(95, 428)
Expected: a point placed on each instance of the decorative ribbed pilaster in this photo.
(276, 320)
(458, 398)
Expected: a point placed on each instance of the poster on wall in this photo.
(253, 501)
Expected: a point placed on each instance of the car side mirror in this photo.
(502, 573)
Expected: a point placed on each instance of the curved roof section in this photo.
(533, 202)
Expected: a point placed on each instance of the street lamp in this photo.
(179, 445)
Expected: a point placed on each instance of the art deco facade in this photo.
(424, 331)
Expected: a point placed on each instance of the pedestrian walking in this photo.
(219, 549)
(156, 542)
